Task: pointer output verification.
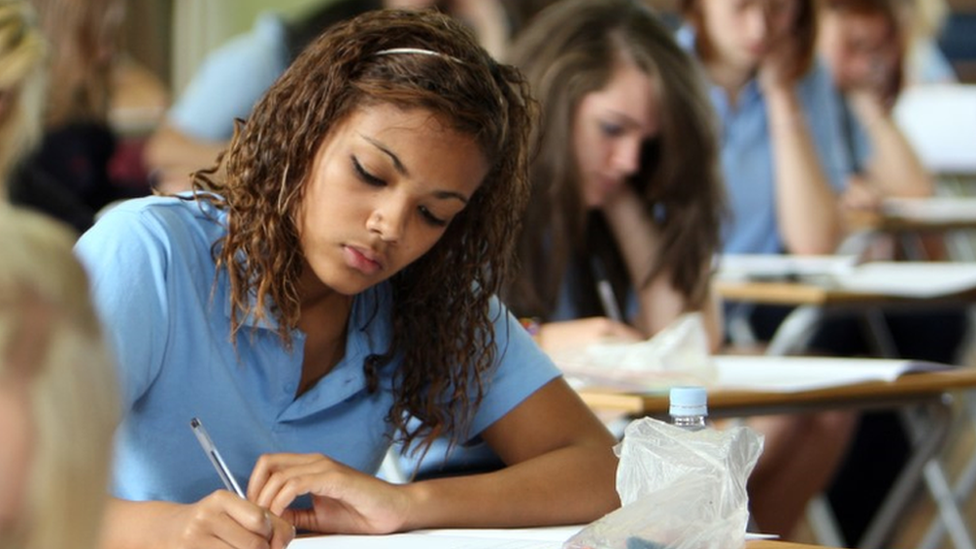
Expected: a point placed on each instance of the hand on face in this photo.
(223, 519)
(343, 500)
(776, 70)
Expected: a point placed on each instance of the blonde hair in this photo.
(50, 334)
(22, 54)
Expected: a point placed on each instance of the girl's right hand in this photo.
(224, 520)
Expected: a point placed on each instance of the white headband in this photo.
(394, 51)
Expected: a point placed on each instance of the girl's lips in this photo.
(360, 260)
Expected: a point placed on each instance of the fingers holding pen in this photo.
(224, 520)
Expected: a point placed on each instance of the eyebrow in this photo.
(402, 170)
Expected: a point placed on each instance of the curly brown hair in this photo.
(442, 327)
(569, 51)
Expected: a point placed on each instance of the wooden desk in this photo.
(923, 399)
(774, 544)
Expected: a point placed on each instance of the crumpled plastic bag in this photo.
(679, 489)
(677, 355)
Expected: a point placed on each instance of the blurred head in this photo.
(350, 70)
(622, 103)
(741, 33)
(22, 56)
(862, 43)
(85, 36)
(58, 402)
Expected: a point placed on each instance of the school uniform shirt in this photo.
(747, 156)
(154, 284)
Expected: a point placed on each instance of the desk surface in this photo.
(772, 544)
(916, 386)
(806, 293)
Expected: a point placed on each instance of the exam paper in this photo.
(516, 538)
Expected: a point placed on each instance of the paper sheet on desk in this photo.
(909, 279)
(955, 209)
(782, 266)
(517, 538)
(795, 373)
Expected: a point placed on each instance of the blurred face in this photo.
(609, 130)
(860, 49)
(383, 188)
(743, 32)
(14, 449)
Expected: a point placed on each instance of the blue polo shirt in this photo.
(747, 158)
(153, 282)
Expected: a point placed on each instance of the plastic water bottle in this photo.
(689, 407)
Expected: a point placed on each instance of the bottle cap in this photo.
(689, 401)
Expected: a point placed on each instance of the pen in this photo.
(215, 459)
(605, 291)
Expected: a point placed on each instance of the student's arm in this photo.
(174, 155)
(638, 240)
(560, 470)
(806, 206)
(220, 520)
(893, 167)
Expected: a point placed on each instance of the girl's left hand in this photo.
(344, 500)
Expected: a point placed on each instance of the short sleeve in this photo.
(522, 368)
(230, 81)
(125, 257)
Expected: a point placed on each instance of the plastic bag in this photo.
(677, 355)
(679, 489)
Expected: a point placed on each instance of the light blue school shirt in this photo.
(231, 80)
(152, 279)
(747, 158)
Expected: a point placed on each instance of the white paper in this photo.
(782, 266)
(909, 278)
(913, 279)
(418, 541)
(502, 538)
(791, 374)
(955, 209)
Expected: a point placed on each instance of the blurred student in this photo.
(233, 77)
(68, 175)
(784, 169)
(58, 405)
(336, 278)
(626, 189)
(863, 44)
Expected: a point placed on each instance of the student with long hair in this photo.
(67, 175)
(334, 279)
(626, 188)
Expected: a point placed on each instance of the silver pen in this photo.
(218, 462)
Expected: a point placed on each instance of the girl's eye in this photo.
(431, 218)
(611, 130)
(365, 176)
